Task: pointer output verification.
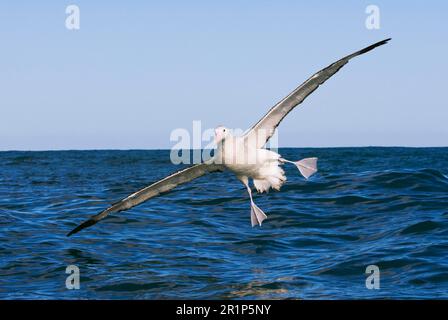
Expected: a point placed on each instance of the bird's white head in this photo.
(221, 133)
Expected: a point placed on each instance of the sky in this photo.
(136, 71)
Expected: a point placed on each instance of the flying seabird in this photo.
(243, 155)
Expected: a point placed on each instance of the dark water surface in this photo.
(381, 206)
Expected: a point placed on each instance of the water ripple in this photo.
(380, 206)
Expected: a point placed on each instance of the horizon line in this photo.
(166, 149)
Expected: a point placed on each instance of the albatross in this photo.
(243, 155)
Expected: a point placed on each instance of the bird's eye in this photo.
(224, 130)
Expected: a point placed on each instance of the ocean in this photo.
(386, 207)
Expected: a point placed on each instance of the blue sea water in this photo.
(366, 206)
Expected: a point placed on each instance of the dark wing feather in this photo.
(263, 130)
(151, 191)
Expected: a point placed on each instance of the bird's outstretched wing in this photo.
(155, 189)
(263, 130)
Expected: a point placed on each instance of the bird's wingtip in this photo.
(373, 46)
(385, 41)
(83, 225)
(379, 43)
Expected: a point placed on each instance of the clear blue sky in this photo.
(136, 71)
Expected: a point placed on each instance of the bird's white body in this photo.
(246, 161)
(241, 156)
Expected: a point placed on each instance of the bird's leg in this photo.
(256, 214)
(307, 166)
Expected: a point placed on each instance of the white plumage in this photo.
(243, 158)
